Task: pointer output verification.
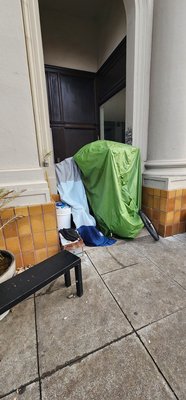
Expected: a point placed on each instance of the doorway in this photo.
(112, 118)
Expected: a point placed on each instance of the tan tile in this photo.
(164, 193)
(156, 203)
(170, 204)
(49, 208)
(7, 213)
(21, 211)
(41, 255)
(175, 229)
(183, 216)
(162, 218)
(50, 221)
(171, 194)
(52, 238)
(53, 250)
(19, 261)
(55, 197)
(37, 223)
(35, 210)
(24, 227)
(179, 193)
(170, 218)
(183, 192)
(29, 258)
(183, 202)
(157, 192)
(156, 215)
(182, 227)
(39, 240)
(168, 230)
(163, 204)
(176, 217)
(2, 240)
(148, 212)
(26, 243)
(161, 230)
(145, 199)
(150, 201)
(10, 230)
(150, 191)
(178, 203)
(13, 245)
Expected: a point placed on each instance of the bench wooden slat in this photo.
(21, 286)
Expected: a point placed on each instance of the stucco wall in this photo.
(18, 147)
(167, 118)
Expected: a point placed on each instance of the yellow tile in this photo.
(52, 238)
(39, 240)
(35, 210)
(177, 203)
(7, 213)
(37, 223)
(41, 255)
(55, 197)
(171, 194)
(53, 250)
(162, 218)
(176, 217)
(2, 240)
(150, 191)
(179, 193)
(163, 193)
(170, 218)
(21, 211)
(156, 204)
(10, 230)
(157, 192)
(50, 221)
(19, 261)
(29, 258)
(12, 244)
(163, 204)
(150, 201)
(49, 208)
(171, 204)
(26, 243)
(183, 202)
(24, 226)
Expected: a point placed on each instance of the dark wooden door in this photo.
(72, 109)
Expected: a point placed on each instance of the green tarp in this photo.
(111, 173)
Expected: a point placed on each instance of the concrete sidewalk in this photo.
(125, 339)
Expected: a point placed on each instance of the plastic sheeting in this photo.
(111, 173)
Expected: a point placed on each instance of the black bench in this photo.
(21, 286)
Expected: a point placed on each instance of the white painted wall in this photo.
(81, 42)
(18, 147)
(167, 117)
(112, 29)
(68, 41)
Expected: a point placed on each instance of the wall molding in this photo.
(33, 42)
(139, 40)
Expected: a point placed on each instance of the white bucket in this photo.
(63, 217)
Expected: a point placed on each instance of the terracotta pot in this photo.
(8, 273)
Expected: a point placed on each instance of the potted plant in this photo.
(7, 259)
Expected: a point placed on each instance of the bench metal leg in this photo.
(79, 283)
(67, 279)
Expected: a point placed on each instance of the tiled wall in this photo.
(32, 238)
(166, 209)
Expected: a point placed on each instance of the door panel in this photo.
(72, 108)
